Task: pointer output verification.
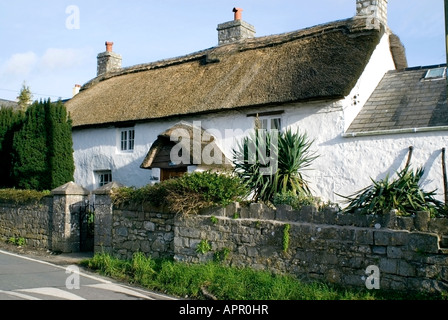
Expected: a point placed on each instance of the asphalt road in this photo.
(25, 278)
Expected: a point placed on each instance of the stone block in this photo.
(394, 252)
(232, 209)
(405, 223)
(380, 250)
(364, 236)
(390, 238)
(388, 266)
(424, 242)
(421, 220)
(244, 213)
(261, 211)
(285, 213)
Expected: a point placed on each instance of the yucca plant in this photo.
(272, 162)
(403, 194)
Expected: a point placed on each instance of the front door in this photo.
(167, 174)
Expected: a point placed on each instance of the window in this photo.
(438, 73)
(270, 123)
(103, 178)
(127, 139)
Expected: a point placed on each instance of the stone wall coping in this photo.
(70, 188)
(108, 188)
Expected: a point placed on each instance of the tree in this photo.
(30, 166)
(10, 122)
(60, 145)
(42, 148)
(25, 97)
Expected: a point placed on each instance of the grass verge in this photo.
(202, 281)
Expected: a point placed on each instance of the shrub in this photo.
(403, 194)
(188, 194)
(22, 196)
(295, 201)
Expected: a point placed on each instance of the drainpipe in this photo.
(446, 35)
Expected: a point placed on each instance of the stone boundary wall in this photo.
(329, 246)
(32, 222)
(410, 253)
(52, 223)
(149, 231)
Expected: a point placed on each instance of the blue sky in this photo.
(44, 45)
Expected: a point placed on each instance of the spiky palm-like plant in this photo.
(272, 162)
(403, 194)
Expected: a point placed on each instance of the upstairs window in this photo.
(127, 140)
(270, 123)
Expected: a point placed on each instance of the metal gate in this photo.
(86, 227)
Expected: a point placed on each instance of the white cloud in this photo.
(20, 64)
(59, 59)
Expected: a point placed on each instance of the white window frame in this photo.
(268, 120)
(126, 140)
(103, 177)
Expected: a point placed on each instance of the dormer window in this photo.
(435, 74)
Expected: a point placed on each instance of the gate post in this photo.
(67, 203)
(104, 218)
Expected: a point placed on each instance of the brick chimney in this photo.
(374, 11)
(235, 30)
(108, 61)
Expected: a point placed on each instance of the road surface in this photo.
(25, 278)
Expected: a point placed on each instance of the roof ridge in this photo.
(212, 54)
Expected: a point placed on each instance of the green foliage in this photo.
(60, 144)
(20, 242)
(294, 200)
(286, 237)
(221, 255)
(36, 147)
(10, 122)
(230, 283)
(25, 97)
(214, 220)
(273, 162)
(188, 194)
(203, 247)
(22, 196)
(403, 194)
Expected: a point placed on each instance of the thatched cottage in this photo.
(345, 83)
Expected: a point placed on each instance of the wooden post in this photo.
(411, 150)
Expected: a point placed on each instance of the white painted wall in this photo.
(345, 165)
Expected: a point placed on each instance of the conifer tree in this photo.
(30, 166)
(10, 122)
(60, 145)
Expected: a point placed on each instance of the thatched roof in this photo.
(187, 137)
(322, 62)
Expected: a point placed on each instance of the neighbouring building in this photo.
(8, 104)
(345, 83)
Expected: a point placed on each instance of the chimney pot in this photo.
(109, 46)
(238, 13)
